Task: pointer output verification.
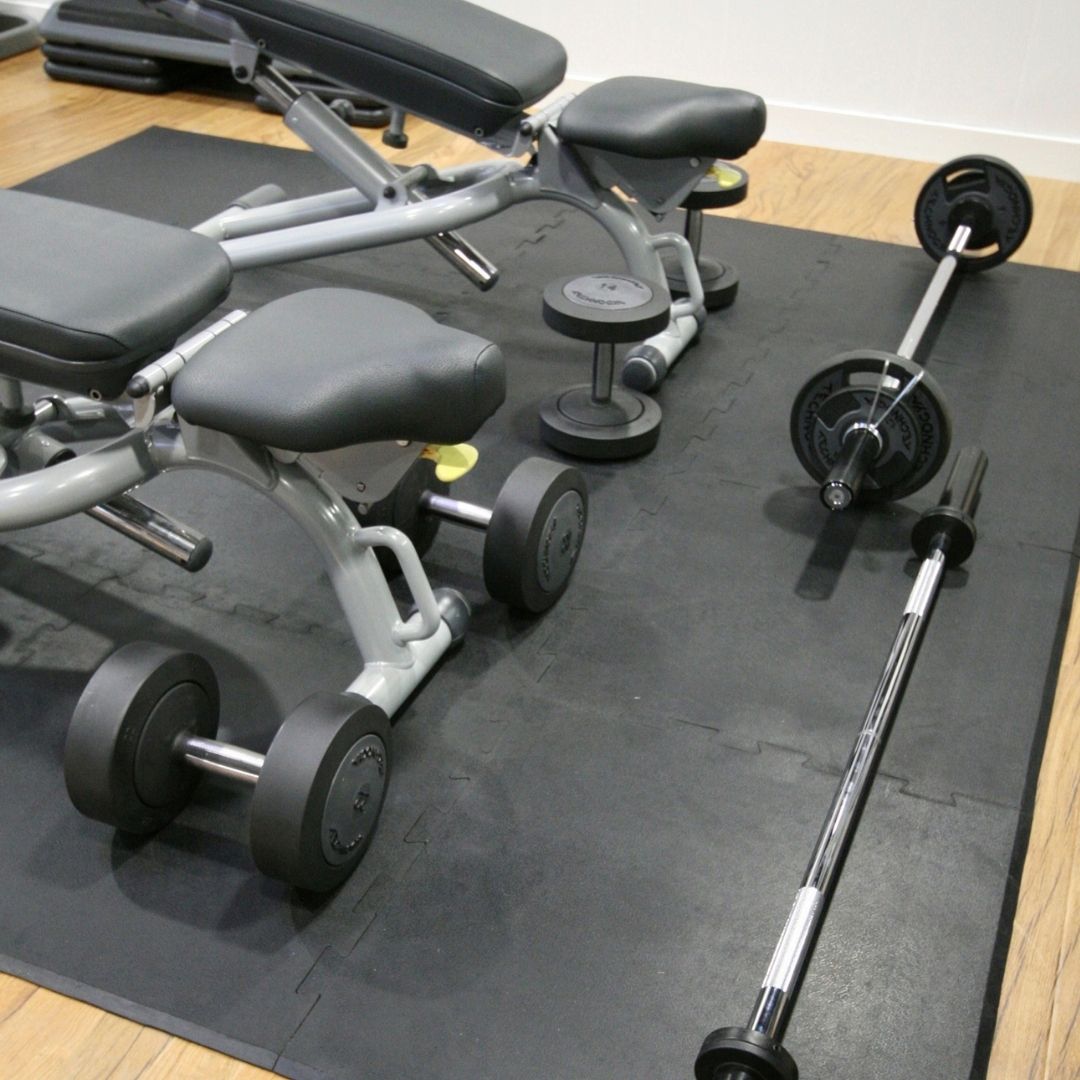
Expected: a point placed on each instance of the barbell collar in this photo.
(950, 526)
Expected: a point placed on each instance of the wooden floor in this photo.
(44, 124)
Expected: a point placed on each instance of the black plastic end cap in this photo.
(138, 387)
(200, 555)
(739, 1053)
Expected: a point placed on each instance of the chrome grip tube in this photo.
(943, 537)
(792, 953)
(472, 264)
(161, 534)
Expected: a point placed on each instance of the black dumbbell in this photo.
(144, 730)
(533, 531)
(598, 419)
(875, 425)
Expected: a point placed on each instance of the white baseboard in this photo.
(918, 140)
(25, 9)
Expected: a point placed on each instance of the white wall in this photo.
(924, 79)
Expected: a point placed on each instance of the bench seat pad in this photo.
(87, 294)
(450, 61)
(329, 368)
(663, 118)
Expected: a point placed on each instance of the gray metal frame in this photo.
(384, 206)
(397, 653)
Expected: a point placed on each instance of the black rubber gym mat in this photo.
(597, 820)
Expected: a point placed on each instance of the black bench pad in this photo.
(329, 368)
(453, 62)
(86, 295)
(663, 118)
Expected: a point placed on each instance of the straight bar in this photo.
(934, 292)
(792, 952)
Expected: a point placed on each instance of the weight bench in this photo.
(93, 303)
(477, 73)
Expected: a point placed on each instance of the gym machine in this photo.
(942, 538)
(626, 151)
(872, 425)
(384, 387)
(121, 45)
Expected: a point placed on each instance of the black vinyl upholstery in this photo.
(86, 295)
(328, 368)
(663, 118)
(448, 60)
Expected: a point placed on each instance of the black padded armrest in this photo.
(87, 293)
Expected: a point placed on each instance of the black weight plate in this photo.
(119, 763)
(535, 536)
(402, 510)
(317, 801)
(723, 185)
(114, 80)
(626, 425)
(104, 60)
(738, 1053)
(915, 435)
(609, 308)
(987, 194)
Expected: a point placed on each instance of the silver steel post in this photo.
(464, 513)
(221, 758)
(603, 369)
